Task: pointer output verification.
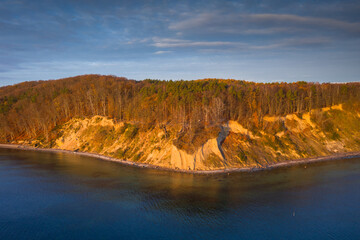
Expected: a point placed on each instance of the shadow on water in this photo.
(203, 206)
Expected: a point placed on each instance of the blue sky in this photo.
(261, 41)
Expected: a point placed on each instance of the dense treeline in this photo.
(34, 109)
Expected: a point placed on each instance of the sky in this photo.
(261, 41)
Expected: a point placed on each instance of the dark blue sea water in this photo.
(64, 196)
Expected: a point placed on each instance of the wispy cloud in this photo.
(293, 43)
(162, 52)
(305, 21)
(283, 43)
(239, 23)
(173, 43)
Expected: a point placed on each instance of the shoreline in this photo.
(337, 156)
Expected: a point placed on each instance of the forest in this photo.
(34, 109)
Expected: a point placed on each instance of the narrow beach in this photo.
(338, 156)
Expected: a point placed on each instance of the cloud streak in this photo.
(239, 23)
(162, 52)
(284, 43)
(175, 43)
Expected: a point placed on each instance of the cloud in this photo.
(172, 42)
(287, 19)
(194, 22)
(240, 23)
(162, 52)
(276, 44)
(293, 43)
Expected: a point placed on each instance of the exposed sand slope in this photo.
(331, 130)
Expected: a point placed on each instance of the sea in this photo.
(47, 195)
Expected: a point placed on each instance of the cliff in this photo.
(320, 132)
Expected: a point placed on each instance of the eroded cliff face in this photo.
(319, 133)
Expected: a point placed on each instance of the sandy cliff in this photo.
(319, 133)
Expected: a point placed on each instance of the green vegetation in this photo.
(241, 155)
(191, 140)
(214, 161)
(131, 131)
(326, 123)
(274, 127)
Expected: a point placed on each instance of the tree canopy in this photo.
(33, 109)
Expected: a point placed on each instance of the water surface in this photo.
(65, 196)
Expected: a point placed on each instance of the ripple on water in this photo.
(61, 196)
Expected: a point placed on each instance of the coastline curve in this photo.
(333, 157)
